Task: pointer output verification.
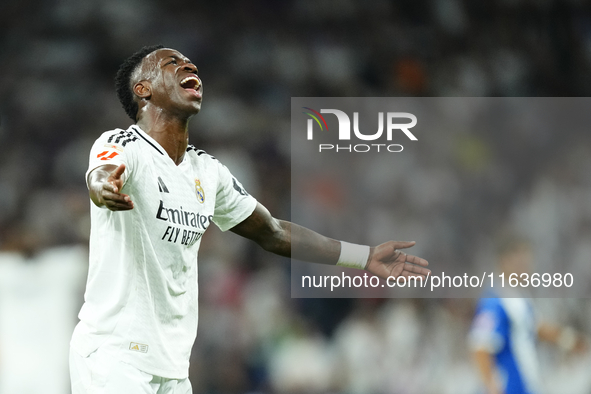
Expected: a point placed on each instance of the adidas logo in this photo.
(161, 186)
(138, 347)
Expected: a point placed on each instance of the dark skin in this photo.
(165, 109)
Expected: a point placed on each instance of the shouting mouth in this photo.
(192, 84)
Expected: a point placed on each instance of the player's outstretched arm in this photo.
(104, 185)
(278, 236)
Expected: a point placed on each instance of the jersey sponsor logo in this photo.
(180, 216)
(199, 191)
(138, 347)
(104, 156)
(187, 237)
(175, 234)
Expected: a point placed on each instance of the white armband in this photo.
(353, 256)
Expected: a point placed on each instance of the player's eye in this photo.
(173, 61)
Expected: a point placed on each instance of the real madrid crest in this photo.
(199, 191)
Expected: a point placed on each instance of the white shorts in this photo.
(104, 374)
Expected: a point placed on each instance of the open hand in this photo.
(105, 187)
(388, 260)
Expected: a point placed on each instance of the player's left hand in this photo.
(388, 260)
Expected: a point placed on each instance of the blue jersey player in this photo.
(503, 338)
(504, 332)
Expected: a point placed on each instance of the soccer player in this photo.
(504, 331)
(154, 195)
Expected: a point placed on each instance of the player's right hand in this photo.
(105, 185)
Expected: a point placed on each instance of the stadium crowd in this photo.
(57, 96)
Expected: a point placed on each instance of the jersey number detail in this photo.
(103, 157)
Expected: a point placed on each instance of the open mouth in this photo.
(191, 83)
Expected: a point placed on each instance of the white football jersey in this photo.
(141, 293)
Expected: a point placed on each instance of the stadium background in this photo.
(57, 96)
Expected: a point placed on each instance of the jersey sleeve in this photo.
(112, 147)
(233, 204)
(490, 326)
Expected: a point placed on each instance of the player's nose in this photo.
(190, 67)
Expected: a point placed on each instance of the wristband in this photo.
(353, 255)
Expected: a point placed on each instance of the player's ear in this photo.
(143, 89)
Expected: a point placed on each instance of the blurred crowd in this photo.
(57, 96)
